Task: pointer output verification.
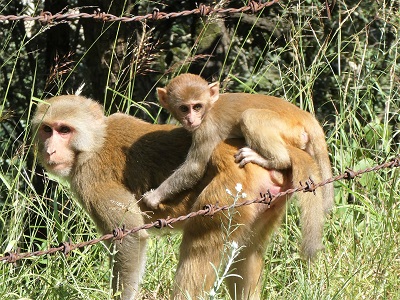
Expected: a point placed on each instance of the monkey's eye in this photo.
(197, 107)
(46, 128)
(183, 108)
(65, 129)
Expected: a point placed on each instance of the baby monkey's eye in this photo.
(183, 108)
(197, 107)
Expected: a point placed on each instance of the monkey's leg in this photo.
(250, 262)
(249, 266)
(129, 266)
(199, 251)
(247, 155)
(268, 134)
(114, 208)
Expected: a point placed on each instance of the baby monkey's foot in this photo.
(247, 155)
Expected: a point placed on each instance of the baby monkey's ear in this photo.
(214, 91)
(162, 97)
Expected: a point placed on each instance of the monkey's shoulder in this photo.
(127, 126)
(121, 119)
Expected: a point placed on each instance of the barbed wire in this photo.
(209, 210)
(47, 17)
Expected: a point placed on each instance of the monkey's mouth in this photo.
(57, 166)
(191, 127)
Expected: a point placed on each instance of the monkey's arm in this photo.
(186, 176)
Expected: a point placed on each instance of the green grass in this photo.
(360, 114)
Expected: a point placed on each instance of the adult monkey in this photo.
(111, 161)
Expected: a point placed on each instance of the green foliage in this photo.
(344, 69)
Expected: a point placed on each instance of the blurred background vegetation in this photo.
(338, 59)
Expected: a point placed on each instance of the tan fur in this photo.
(130, 157)
(284, 136)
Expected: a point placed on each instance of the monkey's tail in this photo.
(311, 203)
(319, 151)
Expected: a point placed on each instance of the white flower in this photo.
(238, 187)
(234, 245)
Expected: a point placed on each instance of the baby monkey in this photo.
(274, 130)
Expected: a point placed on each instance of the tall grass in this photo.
(361, 118)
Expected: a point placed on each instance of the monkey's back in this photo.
(242, 101)
(226, 113)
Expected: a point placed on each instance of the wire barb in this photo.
(204, 10)
(395, 163)
(349, 174)
(161, 223)
(67, 247)
(46, 17)
(210, 210)
(12, 257)
(267, 198)
(156, 14)
(119, 233)
(254, 6)
(309, 186)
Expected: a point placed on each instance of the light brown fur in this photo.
(278, 134)
(127, 158)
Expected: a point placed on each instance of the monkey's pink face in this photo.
(55, 151)
(191, 115)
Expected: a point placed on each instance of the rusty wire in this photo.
(208, 210)
(47, 17)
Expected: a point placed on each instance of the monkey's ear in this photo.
(214, 91)
(162, 97)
